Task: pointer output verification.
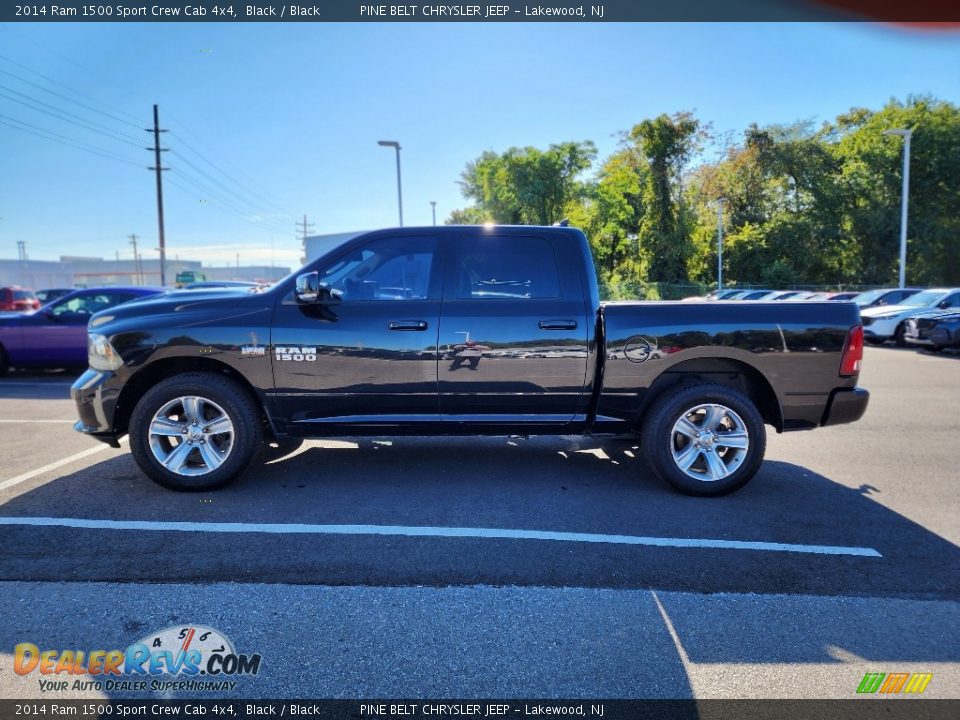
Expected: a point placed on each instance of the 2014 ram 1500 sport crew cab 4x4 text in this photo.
(467, 331)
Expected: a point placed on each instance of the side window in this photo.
(388, 269)
(953, 300)
(505, 267)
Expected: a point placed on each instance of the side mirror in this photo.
(944, 304)
(308, 288)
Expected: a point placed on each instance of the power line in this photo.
(67, 87)
(229, 177)
(68, 99)
(32, 103)
(220, 207)
(237, 209)
(62, 139)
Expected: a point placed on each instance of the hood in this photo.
(891, 310)
(176, 301)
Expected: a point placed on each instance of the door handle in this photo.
(408, 325)
(558, 324)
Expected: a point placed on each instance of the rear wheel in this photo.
(874, 340)
(705, 439)
(196, 431)
(4, 361)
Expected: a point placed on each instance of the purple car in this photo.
(56, 335)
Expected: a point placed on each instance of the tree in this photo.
(527, 186)
(666, 143)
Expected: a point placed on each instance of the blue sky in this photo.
(293, 114)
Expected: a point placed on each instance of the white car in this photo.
(888, 322)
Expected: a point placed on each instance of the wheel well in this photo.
(149, 376)
(721, 371)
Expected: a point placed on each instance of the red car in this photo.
(17, 299)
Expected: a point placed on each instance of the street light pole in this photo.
(433, 207)
(394, 144)
(905, 195)
(719, 243)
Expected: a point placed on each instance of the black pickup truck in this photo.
(467, 331)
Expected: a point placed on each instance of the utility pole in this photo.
(304, 227)
(22, 255)
(238, 261)
(136, 258)
(433, 208)
(158, 168)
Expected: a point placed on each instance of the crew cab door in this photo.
(513, 331)
(367, 356)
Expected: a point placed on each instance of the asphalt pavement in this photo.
(504, 567)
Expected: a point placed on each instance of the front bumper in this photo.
(95, 394)
(846, 405)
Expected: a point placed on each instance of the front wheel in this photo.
(196, 431)
(705, 439)
(899, 335)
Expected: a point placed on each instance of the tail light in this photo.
(852, 356)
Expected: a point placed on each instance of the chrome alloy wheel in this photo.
(709, 442)
(191, 436)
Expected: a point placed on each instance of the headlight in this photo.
(100, 353)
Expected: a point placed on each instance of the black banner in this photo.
(853, 709)
(935, 12)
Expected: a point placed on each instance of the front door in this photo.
(368, 354)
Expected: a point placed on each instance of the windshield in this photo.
(868, 297)
(923, 299)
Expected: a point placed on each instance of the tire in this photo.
(874, 341)
(4, 361)
(712, 468)
(161, 423)
(898, 335)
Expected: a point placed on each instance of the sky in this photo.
(268, 122)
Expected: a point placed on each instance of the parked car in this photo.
(56, 335)
(934, 332)
(51, 294)
(206, 284)
(842, 296)
(17, 299)
(782, 294)
(755, 295)
(366, 340)
(884, 296)
(888, 322)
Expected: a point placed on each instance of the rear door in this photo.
(513, 332)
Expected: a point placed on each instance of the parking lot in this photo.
(505, 567)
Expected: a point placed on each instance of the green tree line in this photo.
(800, 204)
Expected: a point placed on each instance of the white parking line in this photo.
(18, 422)
(52, 466)
(445, 532)
(17, 383)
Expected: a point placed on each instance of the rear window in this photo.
(506, 267)
(23, 295)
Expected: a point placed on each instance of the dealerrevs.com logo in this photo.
(894, 683)
(190, 652)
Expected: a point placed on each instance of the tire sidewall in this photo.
(658, 430)
(220, 390)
